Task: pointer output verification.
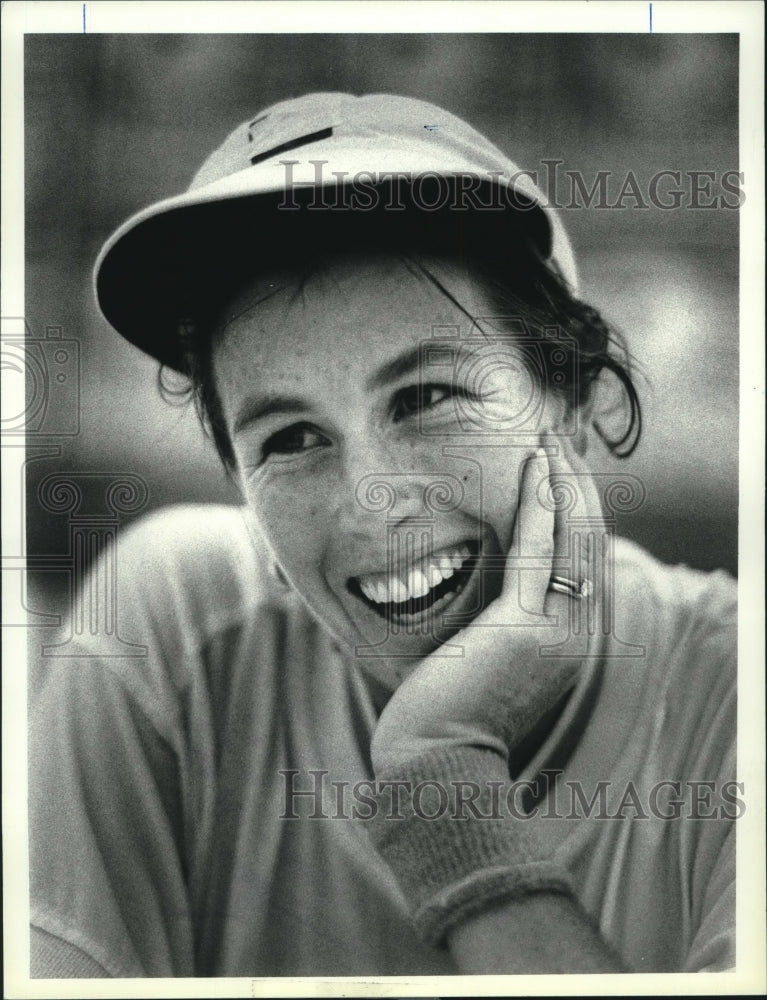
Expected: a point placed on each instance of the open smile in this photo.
(430, 584)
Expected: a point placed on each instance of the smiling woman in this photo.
(300, 455)
(418, 620)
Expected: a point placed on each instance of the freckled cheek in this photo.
(500, 470)
(485, 478)
(295, 525)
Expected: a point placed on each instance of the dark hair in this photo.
(523, 287)
(198, 383)
(562, 324)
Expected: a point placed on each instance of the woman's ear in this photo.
(575, 424)
(580, 441)
(583, 419)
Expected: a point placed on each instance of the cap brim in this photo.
(156, 268)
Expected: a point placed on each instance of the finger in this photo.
(579, 534)
(529, 564)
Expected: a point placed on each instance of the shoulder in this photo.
(209, 537)
(191, 596)
(675, 594)
(178, 582)
(683, 624)
(204, 564)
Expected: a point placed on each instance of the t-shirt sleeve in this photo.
(122, 761)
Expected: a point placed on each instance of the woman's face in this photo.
(379, 438)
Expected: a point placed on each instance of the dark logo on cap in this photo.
(303, 140)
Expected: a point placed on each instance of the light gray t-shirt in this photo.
(159, 785)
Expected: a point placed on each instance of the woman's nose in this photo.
(378, 485)
(376, 480)
(397, 493)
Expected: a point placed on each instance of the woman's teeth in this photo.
(425, 575)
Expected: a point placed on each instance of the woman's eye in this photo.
(417, 398)
(293, 440)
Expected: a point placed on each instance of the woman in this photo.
(413, 709)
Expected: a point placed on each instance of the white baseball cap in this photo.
(331, 151)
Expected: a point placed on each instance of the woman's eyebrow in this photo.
(403, 364)
(257, 407)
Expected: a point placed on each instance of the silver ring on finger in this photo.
(571, 588)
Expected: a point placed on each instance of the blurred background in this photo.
(114, 122)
